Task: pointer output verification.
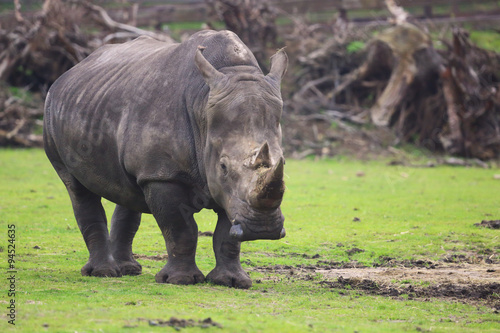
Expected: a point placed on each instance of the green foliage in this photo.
(21, 94)
(177, 29)
(24, 71)
(355, 46)
(403, 213)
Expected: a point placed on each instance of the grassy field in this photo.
(331, 206)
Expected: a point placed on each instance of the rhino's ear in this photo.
(210, 74)
(279, 63)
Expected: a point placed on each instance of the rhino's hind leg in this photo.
(168, 201)
(124, 225)
(91, 219)
(228, 270)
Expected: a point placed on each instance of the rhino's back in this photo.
(124, 115)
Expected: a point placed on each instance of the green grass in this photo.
(177, 29)
(404, 213)
(487, 39)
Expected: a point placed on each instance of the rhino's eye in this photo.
(223, 168)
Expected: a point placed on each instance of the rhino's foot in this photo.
(177, 275)
(109, 269)
(236, 278)
(130, 267)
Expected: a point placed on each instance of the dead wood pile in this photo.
(41, 47)
(443, 100)
(20, 118)
(341, 80)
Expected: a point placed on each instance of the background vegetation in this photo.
(354, 66)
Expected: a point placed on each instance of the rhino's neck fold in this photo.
(198, 123)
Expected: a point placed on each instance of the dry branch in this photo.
(17, 11)
(400, 15)
(106, 20)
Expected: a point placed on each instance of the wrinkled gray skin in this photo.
(168, 130)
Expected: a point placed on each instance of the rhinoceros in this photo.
(168, 130)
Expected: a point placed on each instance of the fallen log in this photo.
(404, 40)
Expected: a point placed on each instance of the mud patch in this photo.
(474, 259)
(470, 293)
(492, 224)
(354, 250)
(482, 257)
(472, 284)
(156, 257)
(385, 261)
(178, 323)
(304, 255)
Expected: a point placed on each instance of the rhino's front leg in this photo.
(228, 270)
(166, 201)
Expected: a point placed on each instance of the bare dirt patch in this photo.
(460, 275)
(468, 283)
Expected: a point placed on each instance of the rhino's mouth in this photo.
(258, 226)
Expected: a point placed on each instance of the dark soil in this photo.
(178, 323)
(492, 224)
(477, 283)
(469, 293)
(354, 250)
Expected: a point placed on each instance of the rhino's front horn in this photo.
(276, 175)
(269, 189)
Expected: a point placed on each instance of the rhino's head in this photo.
(243, 156)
